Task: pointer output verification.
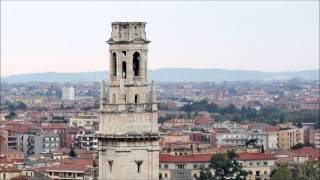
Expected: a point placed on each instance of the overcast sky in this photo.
(70, 36)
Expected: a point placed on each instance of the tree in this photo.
(252, 142)
(224, 166)
(72, 153)
(282, 173)
(231, 108)
(298, 146)
(20, 105)
(11, 115)
(205, 175)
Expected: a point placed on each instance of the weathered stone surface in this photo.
(128, 131)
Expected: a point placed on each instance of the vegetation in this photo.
(19, 105)
(163, 119)
(308, 170)
(72, 153)
(298, 146)
(281, 173)
(11, 115)
(304, 171)
(270, 115)
(225, 166)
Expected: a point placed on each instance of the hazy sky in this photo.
(70, 36)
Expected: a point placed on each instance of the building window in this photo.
(258, 163)
(139, 163)
(250, 163)
(124, 70)
(265, 172)
(257, 173)
(195, 166)
(124, 53)
(166, 166)
(165, 175)
(136, 64)
(265, 163)
(136, 98)
(180, 166)
(110, 165)
(114, 61)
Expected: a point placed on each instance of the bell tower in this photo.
(128, 132)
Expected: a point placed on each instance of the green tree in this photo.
(298, 146)
(282, 173)
(205, 175)
(11, 115)
(72, 153)
(225, 167)
(20, 105)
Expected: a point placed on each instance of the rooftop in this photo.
(166, 158)
(255, 156)
(72, 165)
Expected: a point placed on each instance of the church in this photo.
(128, 133)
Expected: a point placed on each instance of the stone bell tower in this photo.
(128, 132)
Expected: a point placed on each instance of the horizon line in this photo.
(166, 68)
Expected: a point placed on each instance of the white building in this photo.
(87, 140)
(84, 120)
(317, 138)
(269, 140)
(68, 93)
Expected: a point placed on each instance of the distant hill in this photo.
(167, 75)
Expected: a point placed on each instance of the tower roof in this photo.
(128, 33)
(126, 23)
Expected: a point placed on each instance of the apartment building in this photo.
(317, 138)
(185, 167)
(33, 142)
(258, 165)
(87, 139)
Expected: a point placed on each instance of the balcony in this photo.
(146, 107)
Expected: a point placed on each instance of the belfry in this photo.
(128, 132)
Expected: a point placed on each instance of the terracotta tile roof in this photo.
(16, 126)
(221, 130)
(167, 158)
(21, 177)
(40, 170)
(311, 100)
(223, 149)
(10, 151)
(272, 129)
(9, 169)
(72, 165)
(10, 161)
(55, 126)
(313, 154)
(245, 156)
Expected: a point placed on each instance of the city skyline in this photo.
(70, 36)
